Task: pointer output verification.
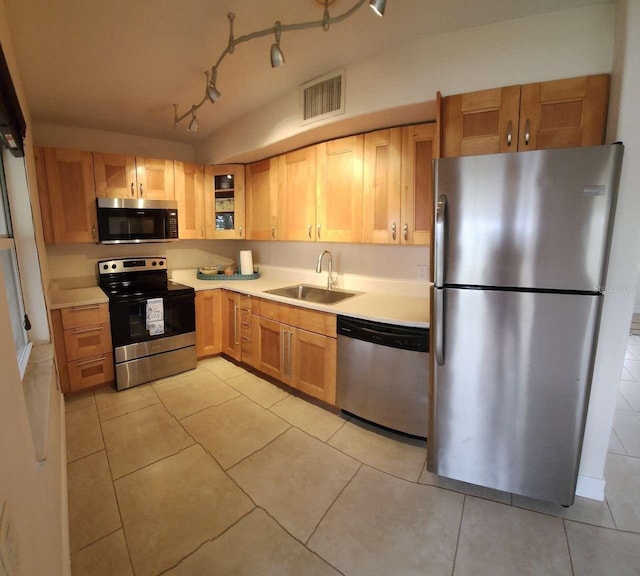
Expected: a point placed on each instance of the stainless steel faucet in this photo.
(331, 283)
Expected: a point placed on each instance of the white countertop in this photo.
(399, 304)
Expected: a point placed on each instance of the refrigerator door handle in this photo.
(438, 296)
(441, 211)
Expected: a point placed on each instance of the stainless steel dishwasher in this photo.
(383, 374)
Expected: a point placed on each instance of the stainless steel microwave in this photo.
(130, 221)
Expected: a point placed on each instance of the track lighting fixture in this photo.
(378, 6)
(277, 57)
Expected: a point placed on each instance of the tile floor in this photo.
(218, 472)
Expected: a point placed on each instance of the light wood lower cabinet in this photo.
(231, 324)
(296, 346)
(84, 351)
(208, 323)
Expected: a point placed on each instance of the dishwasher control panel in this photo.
(394, 336)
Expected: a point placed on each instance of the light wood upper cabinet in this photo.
(43, 195)
(555, 114)
(69, 191)
(115, 176)
(297, 195)
(563, 113)
(339, 190)
(155, 179)
(484, 122)
(419, 149)
(225, 201)
(208, 322)
(262, 199)
(189, 186)
(382, 181)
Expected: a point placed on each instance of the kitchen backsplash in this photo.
(77, 262)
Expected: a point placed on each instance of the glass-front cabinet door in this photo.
(224, 201)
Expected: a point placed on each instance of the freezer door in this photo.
(537, 219)
(509, 392)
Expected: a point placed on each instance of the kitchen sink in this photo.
(313, 294)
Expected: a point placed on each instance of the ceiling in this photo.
(120, 65)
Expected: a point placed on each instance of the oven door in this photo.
(131, 225)
(129, 319)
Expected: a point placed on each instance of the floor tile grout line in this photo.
(96, 541)
(620, 441)
(615, 524)
(154, 462)
(86, 455)
(338, 430)
(206, 408)
(455, 554)
(127, 412)
(332, 503)
(115, 494)
(566, 537)
(207, 541)
(259, 449)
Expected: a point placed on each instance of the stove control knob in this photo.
(106, 266)
(161, 262)
(153, 263)
(113, 266)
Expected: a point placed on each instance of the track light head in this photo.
(193, 125)
(378, 6)
(213, 93)
(277, 57)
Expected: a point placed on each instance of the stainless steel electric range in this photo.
(152, 320)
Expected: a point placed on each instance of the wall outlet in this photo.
(422, 273)
(9, 557)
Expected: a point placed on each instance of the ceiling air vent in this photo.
(323, 97)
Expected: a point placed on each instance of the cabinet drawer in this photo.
(87, 342)
(90, 372)
(272, 310)
(87, 315)
(313, 321)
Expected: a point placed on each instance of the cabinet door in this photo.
(115, 176)
(339, 190)
(564, 113)
(484, 122)
(224, 201)
(155, 179)
(382, 179)
(270, 344)
(189, 184)
(208, 323)
(231, 324)
(313, 364)
(262, 199)
(71, 195)
(43, 195)
(297, 195)
(418, 151)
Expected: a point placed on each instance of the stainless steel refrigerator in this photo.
(520, 257)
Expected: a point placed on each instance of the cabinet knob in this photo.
(93, 231)
(309, 231)
(273, 231)
(141, 190)
(319, 231)
(509, 132)
(240, 231)
(393, 231)
(133, 189)
(527, 132)
(405, 231)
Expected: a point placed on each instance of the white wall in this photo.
(60, 136)
(33, 493)
(555, 45)
(620, 295)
